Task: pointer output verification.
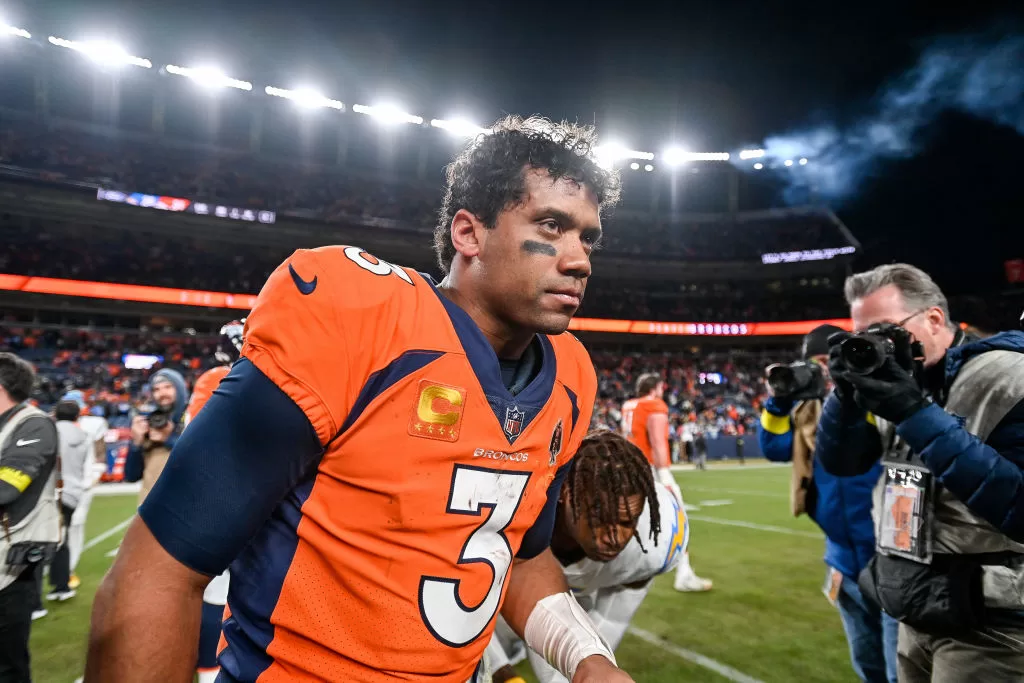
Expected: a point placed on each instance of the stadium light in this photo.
(788, 162)
(387, 113)
(7, 30)
(751, 154)
(648, 168)
(102, 52)
(635, 166)
(459, 127)
(614, 151)
(305, 97)
(208, 77)
(676, 156)
(758, 166)
(803, 162)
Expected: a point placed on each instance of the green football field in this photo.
(766, 619)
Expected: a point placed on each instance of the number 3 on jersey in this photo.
(474, 488)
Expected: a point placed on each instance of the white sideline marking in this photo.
(730, 467)
(757, 527)
(119, 488)
(738, 492)
(689, 655)
(93, 542)
(715, 503)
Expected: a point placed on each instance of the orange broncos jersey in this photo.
(432, 472)
(635, 413)
(203, 390)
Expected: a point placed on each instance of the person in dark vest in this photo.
(28, 511)
(840, 506)
(944, 414)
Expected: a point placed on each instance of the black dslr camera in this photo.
(800, 381)
(159, 418)
(864, 352)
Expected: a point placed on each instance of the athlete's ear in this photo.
(466, 232)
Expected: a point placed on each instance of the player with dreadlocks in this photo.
(616, 528)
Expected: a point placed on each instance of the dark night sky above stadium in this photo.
(714, 75)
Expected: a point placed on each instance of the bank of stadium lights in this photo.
(609, 154)
(387, 113)
(102, 52)
(676, 156)
(7, 30)
(459, 127)
(305, 97)
(208, 77)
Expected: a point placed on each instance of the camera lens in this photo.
(864, 354)
(782, 380)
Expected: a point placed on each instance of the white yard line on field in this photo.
(757, 527)
(689, 655)
(731, 467)
(93, 542)
(738, 492)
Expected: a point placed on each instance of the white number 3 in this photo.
(474, 488)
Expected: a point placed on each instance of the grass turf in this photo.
(766, 616)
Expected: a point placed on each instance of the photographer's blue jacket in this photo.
(134, 464)
(988, 477)
(841, 506)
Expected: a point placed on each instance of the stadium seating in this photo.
(336, 194)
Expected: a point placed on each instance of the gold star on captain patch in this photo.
(419, 427)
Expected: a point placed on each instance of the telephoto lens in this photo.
(782, 380)
(864, 353)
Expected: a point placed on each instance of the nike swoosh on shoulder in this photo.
(305, 287)
(26, 442)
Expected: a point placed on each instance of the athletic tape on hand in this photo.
(562, 632)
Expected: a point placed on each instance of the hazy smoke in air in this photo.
(979, 75)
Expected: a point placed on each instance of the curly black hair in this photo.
(489, 175)
(607, 470)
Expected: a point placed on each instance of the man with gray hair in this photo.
(944, 412)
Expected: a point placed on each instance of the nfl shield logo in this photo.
(513, 421)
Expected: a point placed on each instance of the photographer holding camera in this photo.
(944, 413)
(29, 513)
(841, 507)
(155, 433)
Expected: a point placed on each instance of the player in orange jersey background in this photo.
(395, 447)
(645, 424)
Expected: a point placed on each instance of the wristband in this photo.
(560, 631)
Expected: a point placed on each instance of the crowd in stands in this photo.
(714, 394)
(93, 362)
(334, 194)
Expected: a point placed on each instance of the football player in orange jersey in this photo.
(395, 449)
(216, 594)
(645, 424)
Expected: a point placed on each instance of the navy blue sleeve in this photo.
(987, 477)
(249, 446)
(847, 443)
(134, 463)
(538, 537)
